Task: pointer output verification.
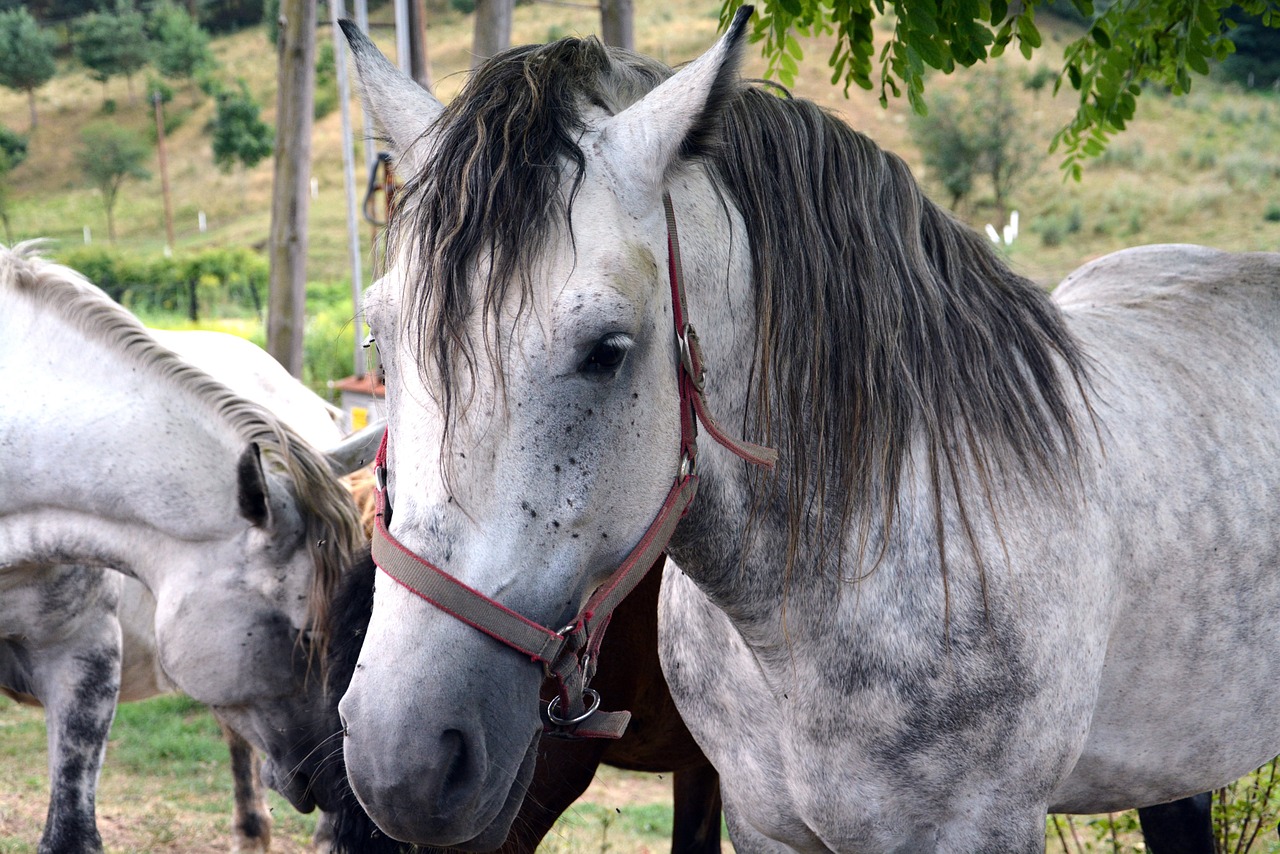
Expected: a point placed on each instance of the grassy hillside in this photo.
(1198, 169)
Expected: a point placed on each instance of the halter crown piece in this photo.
(569, 655)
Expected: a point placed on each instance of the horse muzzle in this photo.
(446, 767)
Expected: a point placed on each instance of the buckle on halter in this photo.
(592, 697)
(380, 478)
(688, 339)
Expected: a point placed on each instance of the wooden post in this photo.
(493, 29)
(617, 23)
(419, 66)
(290, 194)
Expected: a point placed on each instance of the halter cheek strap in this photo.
(569, 655)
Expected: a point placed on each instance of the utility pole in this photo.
(164, 171)
(290, 193)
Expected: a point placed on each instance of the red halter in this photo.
(569, 655)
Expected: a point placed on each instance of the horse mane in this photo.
(331, 524)
(881, 318)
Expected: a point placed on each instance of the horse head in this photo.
(533, 391)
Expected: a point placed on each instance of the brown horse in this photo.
(629, 677)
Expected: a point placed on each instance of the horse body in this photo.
(235, 526)
(948, 611)
(1185, 342)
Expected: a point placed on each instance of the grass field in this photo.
(1204, 169)
(166, 787)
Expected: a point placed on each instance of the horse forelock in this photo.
(493, 194)
(882, 319)
(331, 523)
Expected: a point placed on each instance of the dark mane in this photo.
(881, 319)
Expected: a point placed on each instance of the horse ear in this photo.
(679, 117)
(402, 108)
(357, 450)
(253, 487)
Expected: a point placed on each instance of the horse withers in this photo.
(1017, 554)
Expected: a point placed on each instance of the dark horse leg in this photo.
(697, 811)
(68, 660)
(1179, 827)
(251, 831)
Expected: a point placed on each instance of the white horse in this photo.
(119, 454)
(1018, 554)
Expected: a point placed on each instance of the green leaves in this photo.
(1129, 44)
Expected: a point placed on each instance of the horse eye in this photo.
(607, 355)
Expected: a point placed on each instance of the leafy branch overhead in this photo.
(1128, 43)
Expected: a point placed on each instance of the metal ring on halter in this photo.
(686, 466)
(593, 702)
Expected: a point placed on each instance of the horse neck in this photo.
(132, 471)
(708, 546)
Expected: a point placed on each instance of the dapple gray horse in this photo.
(119, 454)
(1018, 553)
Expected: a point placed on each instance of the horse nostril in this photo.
(454, 757)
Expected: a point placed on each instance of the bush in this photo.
(1273, 212)
(224, 281)
(326, 99)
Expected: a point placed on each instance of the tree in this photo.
(978, 134)
(26, 56)
(108, 156)
(239, 134)
(1126, 45)
(13, 150)
(181, 48)
(947, 146)
(113, 43)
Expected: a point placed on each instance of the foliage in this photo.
(1244, 809)
(1256, 61)
(181, 48)
(1126, 46)
(271, 17)
(26, 54)
(109, 155)
(948, 146)
(979, 133)
(326, 97)
(112, 43)
(13, 148)
(239, 134)
(224, 16)
(225, 282)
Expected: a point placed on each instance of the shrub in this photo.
(223, 281)
(1273, 212)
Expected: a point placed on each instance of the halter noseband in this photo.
(569, 655)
